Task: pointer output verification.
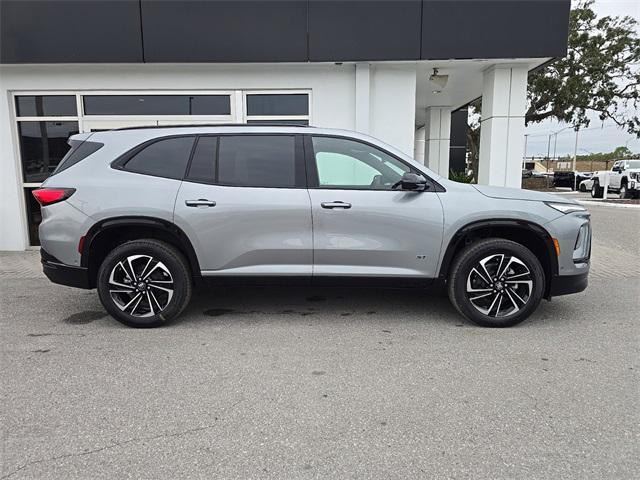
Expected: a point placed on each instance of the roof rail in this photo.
(212, 125)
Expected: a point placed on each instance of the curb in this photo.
(605, 204)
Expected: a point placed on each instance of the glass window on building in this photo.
(157, 104)
(42, 146)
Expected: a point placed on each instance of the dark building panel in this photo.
(494, 28)
(458, 140)
(70, 31)
(364, 30)
(224, 31)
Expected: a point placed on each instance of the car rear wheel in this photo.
(496, 282)
(583, 188)
(144, 283)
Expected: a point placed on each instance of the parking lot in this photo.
(325, 383)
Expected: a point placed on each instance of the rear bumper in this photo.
(62, 274)
(568, 284)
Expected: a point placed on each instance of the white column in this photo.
(393, 105)
(504, 102)
(418, 149)
(363, 97)
(13, 222)
(437, 139)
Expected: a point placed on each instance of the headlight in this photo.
(566, 207)
(635, 175)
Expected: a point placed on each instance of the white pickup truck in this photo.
(623, 178)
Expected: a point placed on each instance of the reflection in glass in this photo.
(157, 104)
(34, 216)
(274, 104)
(46, 105)
(42, 146)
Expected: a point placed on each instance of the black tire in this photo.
(582, 188)
(624, 191)
(170, 273)
(521, 305)
(596, 190)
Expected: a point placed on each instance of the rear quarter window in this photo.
(79, 151)
(163, 158)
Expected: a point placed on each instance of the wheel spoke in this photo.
(135, 297)
(515, 305)
(133, 310)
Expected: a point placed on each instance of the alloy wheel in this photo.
(499, 285)
(141, 285)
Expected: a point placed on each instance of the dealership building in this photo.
(400, 70)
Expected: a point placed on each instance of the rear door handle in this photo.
(201, 202)
(337, 204)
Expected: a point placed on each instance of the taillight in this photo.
(47, 196)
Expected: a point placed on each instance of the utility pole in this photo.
(575, 159)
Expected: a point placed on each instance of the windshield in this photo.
(634, 164)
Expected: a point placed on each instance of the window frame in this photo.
(313, 182)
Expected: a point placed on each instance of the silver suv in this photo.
(144, 214)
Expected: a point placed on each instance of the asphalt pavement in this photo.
(302, 383)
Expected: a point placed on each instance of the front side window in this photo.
(163, 158)
(257, 161)
(343, 163)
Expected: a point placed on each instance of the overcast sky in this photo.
(600, 137)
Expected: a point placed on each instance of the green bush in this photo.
(460, 177)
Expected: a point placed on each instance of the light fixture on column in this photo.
(439, 80)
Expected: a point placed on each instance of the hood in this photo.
(519, 194)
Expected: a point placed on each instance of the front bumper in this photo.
(568, 284)
(62, 274)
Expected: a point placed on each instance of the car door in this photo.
(362, 226)
(615, 175)
(244, 205)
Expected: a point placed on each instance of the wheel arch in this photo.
(529, 234)
(106, 234)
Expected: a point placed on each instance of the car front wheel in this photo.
(144, 283)
(496, 282)
(596, 190)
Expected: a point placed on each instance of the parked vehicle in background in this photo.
(623, 178)
(569, 179)
(585, 185)
(142, 214)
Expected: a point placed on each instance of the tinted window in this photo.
(42, 147)
(164, 158)
(351, 164)
(257, 161)
(203, 163)
(46, 105)
(272, 104)
(157, 104)
(79, 151)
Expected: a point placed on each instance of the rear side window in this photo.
(203, 162)
(258, 161)
(164, 158)
(79, 151)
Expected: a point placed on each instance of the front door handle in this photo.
(201, 202)
(337, 204)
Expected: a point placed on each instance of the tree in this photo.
(600, 74)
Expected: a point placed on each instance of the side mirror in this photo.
(412, 181)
